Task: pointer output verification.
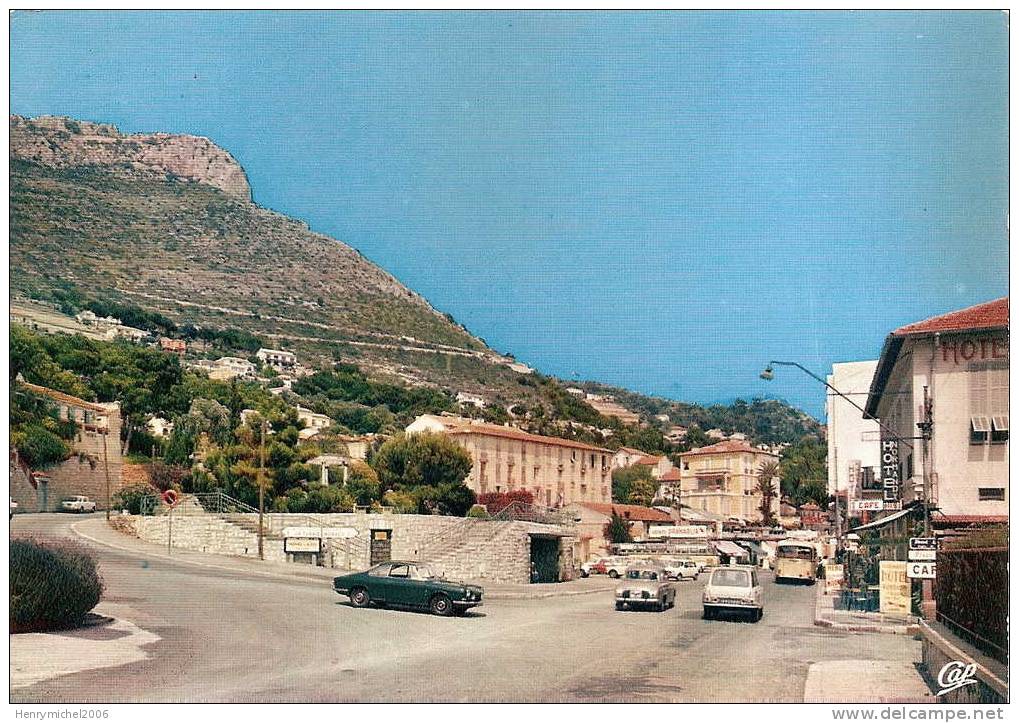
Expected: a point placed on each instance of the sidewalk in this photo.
(857, 621)
(100, 533)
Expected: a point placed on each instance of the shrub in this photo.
(496, 502)
(478, 512)
(130, 498)
(52, 585)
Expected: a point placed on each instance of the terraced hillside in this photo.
(196, 252)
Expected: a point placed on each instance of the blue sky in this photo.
(663, 201)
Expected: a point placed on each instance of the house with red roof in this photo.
(592, 517)
(722, 479)
(958, 362)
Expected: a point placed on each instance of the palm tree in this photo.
(766, 475)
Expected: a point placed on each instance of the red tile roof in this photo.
(66, 398)
(989, 315)
(727, 446)
(634, 513)
(671, 476)
(649, 459)
(455, 426)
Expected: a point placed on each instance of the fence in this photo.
(971, 591)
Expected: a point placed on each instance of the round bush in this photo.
(53, 584)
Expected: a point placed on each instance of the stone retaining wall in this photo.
(463, 548)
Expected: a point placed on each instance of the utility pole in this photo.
(106, 470)
(926, 428)
(261, 488)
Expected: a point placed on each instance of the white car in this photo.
(733, 589)
(14, 506)
(680, 569)
(78, 503)
(615, 567)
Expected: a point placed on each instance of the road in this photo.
(236, 637)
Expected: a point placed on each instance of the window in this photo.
(381, 571)
(400, 571)
(988, 402)
(991, 494)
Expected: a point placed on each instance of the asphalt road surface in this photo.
(234, 637)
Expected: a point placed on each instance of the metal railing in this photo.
(525, 512)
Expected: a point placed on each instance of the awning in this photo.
(885, 520)
(730, 548)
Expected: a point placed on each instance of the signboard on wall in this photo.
(891, 484)
(834, 576)
(302, 544)
(895, 588)
(867, 505)
(688, 531)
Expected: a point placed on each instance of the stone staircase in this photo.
(475, 553)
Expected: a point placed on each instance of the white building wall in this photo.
(960, 468)
(850, 436)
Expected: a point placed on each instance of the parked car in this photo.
(733, 589)
(616, 567)
(408, 584)
(14, 506)
(645, 586)
(678, 569)
(593, 567)
(79, 503)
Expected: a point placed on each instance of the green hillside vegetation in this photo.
(188, 260)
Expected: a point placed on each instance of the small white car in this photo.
(680, 569)
(14, 506)
(78, 503)
(645, 586)
(615, 567)
(734, 589)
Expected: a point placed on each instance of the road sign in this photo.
(323, 533)
(921, 570)
(923, 555)
(171, 497)
(923, 543)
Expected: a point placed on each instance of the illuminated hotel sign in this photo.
(890, 483)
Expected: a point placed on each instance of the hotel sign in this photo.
(891, 485)
(973, 349)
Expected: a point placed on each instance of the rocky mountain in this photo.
(66, 143)
(165, 223)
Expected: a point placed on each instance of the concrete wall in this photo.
(940, 648)
(961, 467)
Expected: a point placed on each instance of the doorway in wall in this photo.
(544, 559)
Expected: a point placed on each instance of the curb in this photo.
(822, 622)
(541, 595)
(263, 573)
(298, 577)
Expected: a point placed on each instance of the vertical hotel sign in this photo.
(891, 485)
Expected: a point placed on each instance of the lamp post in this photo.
(926, 431)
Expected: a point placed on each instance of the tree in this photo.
(425, 459)
(633, 485)
(766, 489)
(617, 529)
(363, 483)
(805, 471)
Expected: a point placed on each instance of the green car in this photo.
(409, 584)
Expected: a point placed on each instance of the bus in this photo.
(796, 560)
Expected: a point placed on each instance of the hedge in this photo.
(53, 584)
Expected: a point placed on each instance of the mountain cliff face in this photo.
(166, 223)
(65, 143)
